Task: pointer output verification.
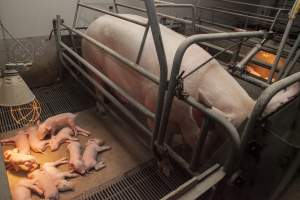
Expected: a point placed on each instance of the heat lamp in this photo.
(15, 95)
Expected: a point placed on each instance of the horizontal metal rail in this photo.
(121, 107)
(253, 5)
(235, 14)
(112, 14)
(107, 81)
(132, 65)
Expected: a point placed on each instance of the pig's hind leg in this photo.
(61, 161)
(103, 148)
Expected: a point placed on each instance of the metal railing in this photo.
(209, 112)
(161, 81)
(168, 89)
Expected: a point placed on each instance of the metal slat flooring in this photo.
(54, 99)
(145, 182)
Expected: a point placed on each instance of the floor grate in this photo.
(145, 182)
(55, 99)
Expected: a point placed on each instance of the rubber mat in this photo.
(145, 182)
(55, 99)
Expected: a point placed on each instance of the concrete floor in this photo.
(126, 152)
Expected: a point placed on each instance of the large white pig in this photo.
(211, 84)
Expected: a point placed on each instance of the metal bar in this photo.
(182, 189)
(116, 6)
(5, 45)
(292, 15)
(142, 44)
(292, 64)
(236, 54)
(107, 81)
(57, 31)
(193, 7)
(275, 20)
(207, 29)
(196, 157)
(280, 49)
(250, 55)
(108, 95)
(253, 5)
(262, 102)
(17, 41)
(236, 14)
(250, 79)
(208, 60)
(231, 131)
(112, 14)
(160, 51)
(76, 14)
(117, 56)
(291, 54)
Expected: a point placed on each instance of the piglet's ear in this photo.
(38, 122)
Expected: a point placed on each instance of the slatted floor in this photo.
(55, 99)
(145, 182)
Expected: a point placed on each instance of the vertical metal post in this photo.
(291, 65)
(142, 44)
(237, 52)
(74, 26)
(116, 6)
(291, 54)
(292, 16)
(5, 42)
(76, 14)
(57, 31)
(197, 153)
(153, 21)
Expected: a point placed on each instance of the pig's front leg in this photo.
(69, 174)
(99, 165)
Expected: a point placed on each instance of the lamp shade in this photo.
(13, 90)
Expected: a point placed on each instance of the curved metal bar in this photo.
(161, 55)
(262, 102)
(231, 130)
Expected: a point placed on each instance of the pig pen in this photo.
(129, 157)
(215, 171)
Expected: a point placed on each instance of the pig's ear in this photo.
(38, 122)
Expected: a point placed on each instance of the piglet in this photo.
(93, 147)
(75, 161)
(22, 190)
(21, 142)
(62, 136)
(19, 161)
(51, 180)
(36, 144)
(54, 123)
